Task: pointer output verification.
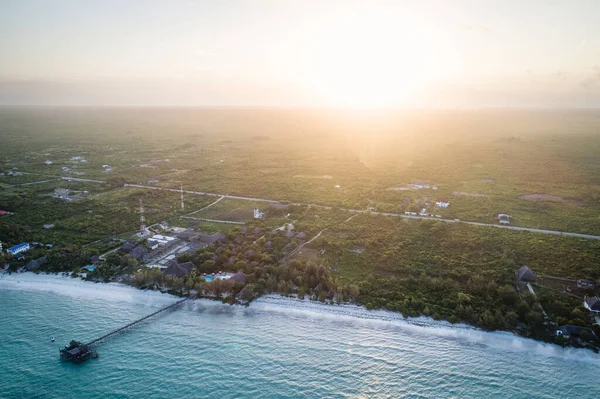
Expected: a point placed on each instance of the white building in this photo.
(423, 212)
(48, 162)
(24, 247)
(442, 204)
(258, 214)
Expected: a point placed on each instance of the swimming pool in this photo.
(218, 276)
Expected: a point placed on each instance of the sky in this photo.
(305, 53)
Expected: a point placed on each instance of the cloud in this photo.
(592, 80)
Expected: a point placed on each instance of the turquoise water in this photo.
(276, 348)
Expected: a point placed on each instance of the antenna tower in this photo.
(182, 206)
(143, 228)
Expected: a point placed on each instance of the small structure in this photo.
(568, 331)
(503, 218)
(423, 212)
(152, 181)
(49, 226)
(17, 249)
(48, 162)
(585, 284)
(258, 214)
(2, 213)
(592, 303)
(77, 352)
(525, 274)
(338, 186)
(152, 244)
(442, 204)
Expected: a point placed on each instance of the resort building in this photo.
(17, 249)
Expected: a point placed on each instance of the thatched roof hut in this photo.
(238, 277)
(178, 269)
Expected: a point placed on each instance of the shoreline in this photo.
(294, 307)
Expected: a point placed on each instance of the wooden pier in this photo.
(78, 352)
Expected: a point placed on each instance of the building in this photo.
(258, 214)
(423, 212)
(585, 284)
(49, 226)
(592, 303)
(503, 218)
(2, 213)
(525, 274)
(442, 204)
(17, 249)
(48, 162)
(35, 264)
(178, 269)
(152, 244)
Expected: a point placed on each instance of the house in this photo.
(442, 204)
(301, 235)
(585, 284)
(127, 247)
(2, 213)
(411, 213)
(35, 264)
(151, 181)
(525, 274)
(105, 166)
(423, 212)
(138, 252)
(568, 331)
(152, 244)
(48, 226)
(258, 214)
(17, 249)
(238, 277)
(504, 221)
(48, 162)
(76, 158)
(592, 303)
(178, 269)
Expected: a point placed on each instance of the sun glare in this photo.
(374, 61)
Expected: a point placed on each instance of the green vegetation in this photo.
(540, 167)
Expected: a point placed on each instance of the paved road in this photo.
(553, 232)
(213, 220)
(203, 193)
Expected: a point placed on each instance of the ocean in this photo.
(275, 348)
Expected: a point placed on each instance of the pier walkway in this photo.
(172, 306)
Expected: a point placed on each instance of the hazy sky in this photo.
(427, 53)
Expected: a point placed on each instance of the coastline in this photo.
(297, 308)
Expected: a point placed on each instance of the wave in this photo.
(293, 307)
(423, 326)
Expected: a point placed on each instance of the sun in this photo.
(373, 61)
